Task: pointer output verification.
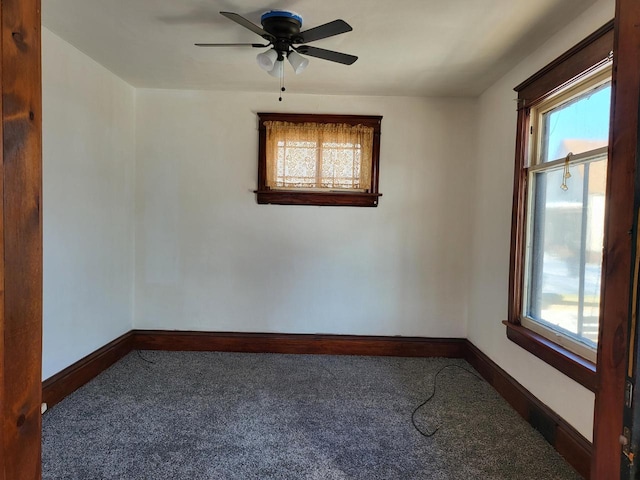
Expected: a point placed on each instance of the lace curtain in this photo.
(318, 156)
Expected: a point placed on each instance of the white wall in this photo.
(491, 231)
(88, 181)
(209, 258)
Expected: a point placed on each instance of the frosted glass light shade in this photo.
(278, 69)
(298, 62)
(267, 59)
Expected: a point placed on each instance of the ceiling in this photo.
(412, 47)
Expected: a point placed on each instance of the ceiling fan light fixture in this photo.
(298, 62)
(267, 60)
(281, 29)
(278, 69)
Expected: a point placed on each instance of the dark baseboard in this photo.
(298, 343)
(63, 383)
(563, 437)
(567, 441)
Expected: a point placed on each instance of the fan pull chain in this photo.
(566, 174)
(282, 89)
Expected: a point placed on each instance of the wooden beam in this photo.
(615, 308)
(20, 240)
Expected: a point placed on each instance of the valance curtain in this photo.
(318, 155)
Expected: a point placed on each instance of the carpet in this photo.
(205, 415)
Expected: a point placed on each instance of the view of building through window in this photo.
(567, 224)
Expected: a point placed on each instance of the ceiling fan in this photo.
(281, 30)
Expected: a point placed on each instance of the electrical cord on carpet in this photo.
(145, 359)
(433, 393)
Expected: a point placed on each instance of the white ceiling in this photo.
(409, 47)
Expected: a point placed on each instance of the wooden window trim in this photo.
(265, 195)
(581, 60)
(572, 365)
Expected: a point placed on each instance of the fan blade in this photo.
(323, 31)
(327, 54)
(247, 24)
(254, 45)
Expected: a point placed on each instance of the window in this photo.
(566, 180)
(558, 210)
(318, 159)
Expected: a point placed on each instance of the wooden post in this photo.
(20, 240)
(612, 344)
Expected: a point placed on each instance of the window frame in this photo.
(292, 196)
(583, 60)
(595, 80)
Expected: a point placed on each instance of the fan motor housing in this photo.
(281, 24)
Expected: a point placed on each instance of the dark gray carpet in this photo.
(192, 415)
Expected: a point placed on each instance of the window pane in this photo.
(566, 250)
(577, 126)
(341, 165)
(296, 164)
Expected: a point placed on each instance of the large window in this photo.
(558, 210)
(318, 159)
(566, 180)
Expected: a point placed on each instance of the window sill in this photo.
(336, 199)
(572, 365)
